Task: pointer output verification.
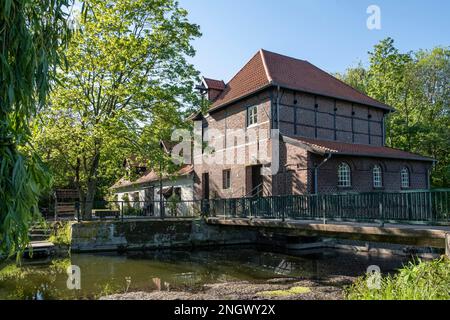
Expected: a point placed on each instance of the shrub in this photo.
(61, 234)
(421, 280)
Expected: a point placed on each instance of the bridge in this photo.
(415, 218)
(413, 235)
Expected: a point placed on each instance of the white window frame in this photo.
(405, 178)
(377, 177)
(252, 116)
(344, 175)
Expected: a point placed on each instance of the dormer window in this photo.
(252, 115)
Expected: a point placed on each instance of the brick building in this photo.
(332, 137)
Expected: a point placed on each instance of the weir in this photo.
(194, 233)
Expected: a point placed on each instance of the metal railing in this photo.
(413, 206)
(122, 210)
(432, 207)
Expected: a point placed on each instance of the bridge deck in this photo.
(418, 235)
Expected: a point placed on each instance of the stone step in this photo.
(38, 237)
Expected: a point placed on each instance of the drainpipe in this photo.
(278, 107)
(316, 173)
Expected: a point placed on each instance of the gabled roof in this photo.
(214, 84)
(349, 149)
(271, 69)
(152, 176)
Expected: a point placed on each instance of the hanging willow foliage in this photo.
(32, 33)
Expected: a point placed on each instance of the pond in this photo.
(107, 273)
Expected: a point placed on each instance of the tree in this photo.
(127, 71)
(416, 84)
(31, 32)
(356, 77)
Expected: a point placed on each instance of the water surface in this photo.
(108, 273)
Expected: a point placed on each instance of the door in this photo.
(256, 181)
(205, 185)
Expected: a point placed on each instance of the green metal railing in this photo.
(409, 206)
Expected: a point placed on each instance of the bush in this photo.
(61, 234)
(423, 280)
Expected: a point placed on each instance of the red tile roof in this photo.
(350, 149)
(152, 176)
(271, 69)
(214, 84)
(251, 78)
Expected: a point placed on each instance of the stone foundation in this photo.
(156, 234)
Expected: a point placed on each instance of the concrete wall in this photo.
(157, 234)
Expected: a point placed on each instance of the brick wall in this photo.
(338, 120)
(361, 174)
(331, 120)
(225, 120)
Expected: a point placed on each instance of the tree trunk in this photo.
(90, 197)
(91, 187)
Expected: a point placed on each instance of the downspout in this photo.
(316, 173)
(278, 107)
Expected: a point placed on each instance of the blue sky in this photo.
(331, 34)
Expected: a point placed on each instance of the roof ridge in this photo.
(224, 92)
(243, 67)
(263, 58)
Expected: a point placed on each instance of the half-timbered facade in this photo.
(332, 137)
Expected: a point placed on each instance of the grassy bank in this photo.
(423, 280)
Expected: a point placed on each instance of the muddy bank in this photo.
(275, 289)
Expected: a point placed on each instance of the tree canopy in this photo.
(31, 34)
(417, 85)
(127, 75)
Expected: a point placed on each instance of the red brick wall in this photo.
(361, 174)
(353, 123)
(296, 174)
(234, 117)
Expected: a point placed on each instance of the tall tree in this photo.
(127, 70)
(31, 32)
(416, 84)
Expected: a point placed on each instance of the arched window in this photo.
(344, 175)
(377, 176)
(404, 175)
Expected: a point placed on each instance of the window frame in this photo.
(378, 174)
(252, 115)
(408, 177)
(348, 176)
(226, 179)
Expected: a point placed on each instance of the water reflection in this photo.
(103, 274)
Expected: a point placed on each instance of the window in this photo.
(204, 135)
(404, 175)
(377, 177)
(344, 176)
(252, 115)
(226, 174)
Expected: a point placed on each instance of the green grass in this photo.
(285, 293)
(423, 280)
